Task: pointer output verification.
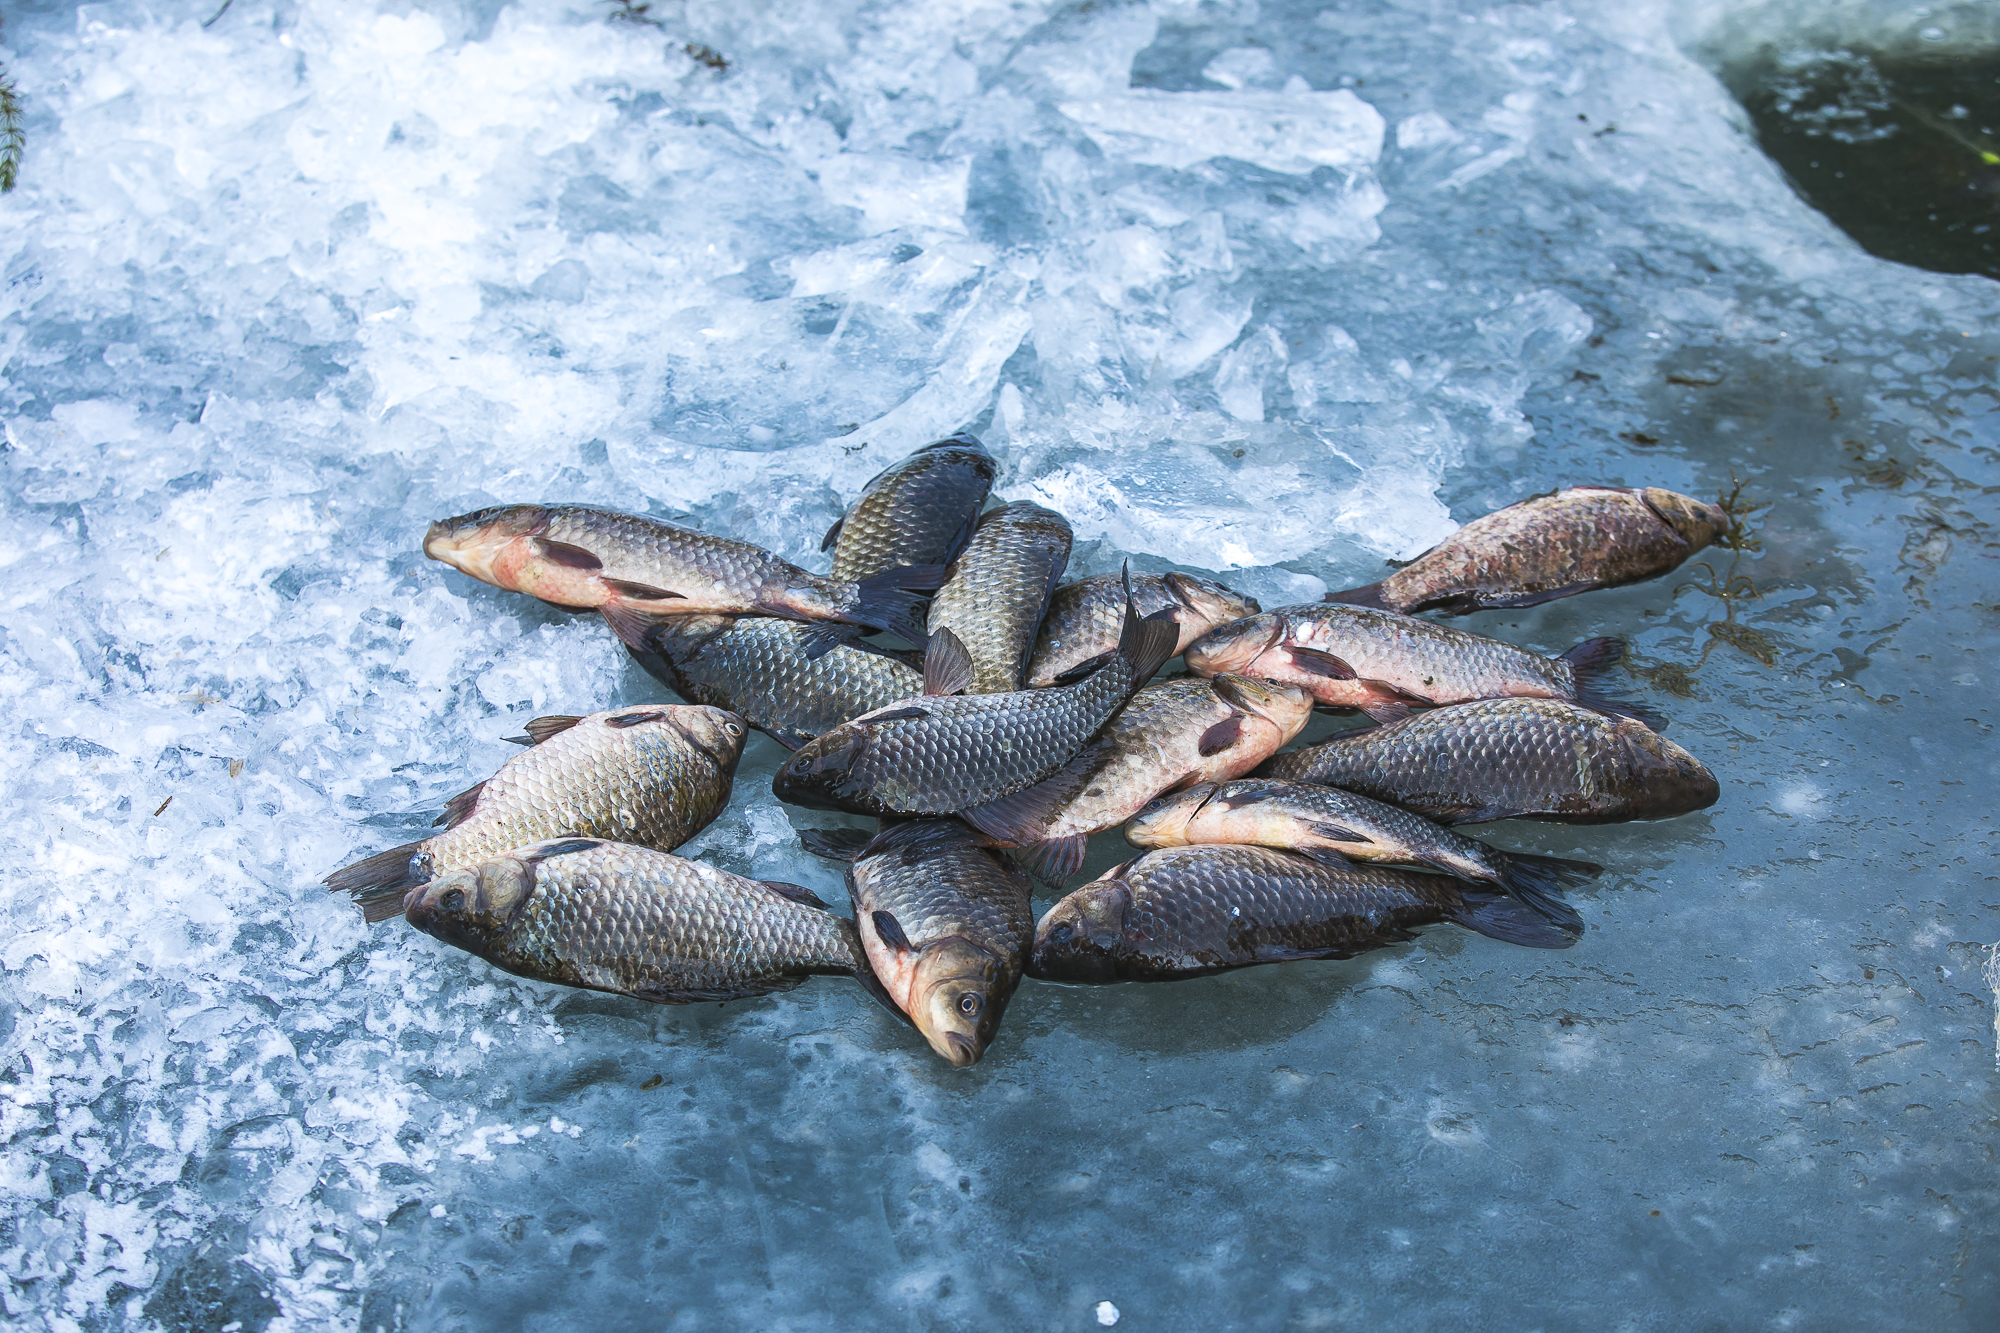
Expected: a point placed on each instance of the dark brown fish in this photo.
(611, 917)
(945, 752)
(1326, 823)
(1081, 626)
(1172, 733)
(1383, 663)
(994, 594)
(1192, 911)
(758, 666)
(632, 568)
(652, 774)
(946, 922)
(1548, 547)
(1500, 758)
(920, 511)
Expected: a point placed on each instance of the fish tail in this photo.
(377, 883)
(888, 602)
(1145, 643)
(1591, 662)
(1369, 595)
(1539, 881)
(1499, 917)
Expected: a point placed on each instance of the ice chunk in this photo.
(1286, 132)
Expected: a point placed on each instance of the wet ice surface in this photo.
(278, 291)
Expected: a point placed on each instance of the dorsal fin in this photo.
(947, 665)
(460, 807)
(540, 729)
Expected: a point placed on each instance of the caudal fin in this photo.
(1370, 595)
(1145, 643)
(1500, 917)
(377, 883)
(888, 602)
(1539, 881)
(1592, 662)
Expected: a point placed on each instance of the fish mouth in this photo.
(958, 1049)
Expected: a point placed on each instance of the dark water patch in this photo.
(1900, 151)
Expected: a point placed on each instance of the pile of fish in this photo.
(1018, 718)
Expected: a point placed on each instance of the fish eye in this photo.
(968, 1005)
(452, 901)
(733, 728)
(1062, 934)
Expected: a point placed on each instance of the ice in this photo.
(1278, 292)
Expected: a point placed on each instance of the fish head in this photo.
(1668, 779)
(1163, 821)
(820, 773)
(471, 907)
(1286, 707)
(1695, 522)
(716, 732)
(1205, 604)
(474, 543)
(956, 998)
(1236, 646)
(1078, 940)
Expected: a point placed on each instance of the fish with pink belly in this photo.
(634, 569)
(1384, 663)
(946, 922)
(1172, 733)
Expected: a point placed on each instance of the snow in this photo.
(1277, 291)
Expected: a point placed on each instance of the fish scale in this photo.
(651, 774)
(1084, 617)
(996, 591)
(1550, 546)
(613, 917)
(1188, 911)
(1498, 758)
(757, 666)
(938, 754)
(943, 918)
(918, 512)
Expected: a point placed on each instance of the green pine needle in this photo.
(12, 139)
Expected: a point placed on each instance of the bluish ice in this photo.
(1279, 291)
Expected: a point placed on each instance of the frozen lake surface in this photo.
(1278, 291)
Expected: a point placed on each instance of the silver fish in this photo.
(612, 917)
(1081, 627)
(995, 592)
(1382, 663)
(652, 774)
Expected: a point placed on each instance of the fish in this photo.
(946, 921)
(920, 511)
(1502, 758)
(944, 752)
(1383, 663)
(612, 917)
(630, 568)
(1172, 733)
(758, 668)
(1326, 823)
(1081, 627)
(994, 594)
(651, 774)
(1550, 546)
(1193, 911)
